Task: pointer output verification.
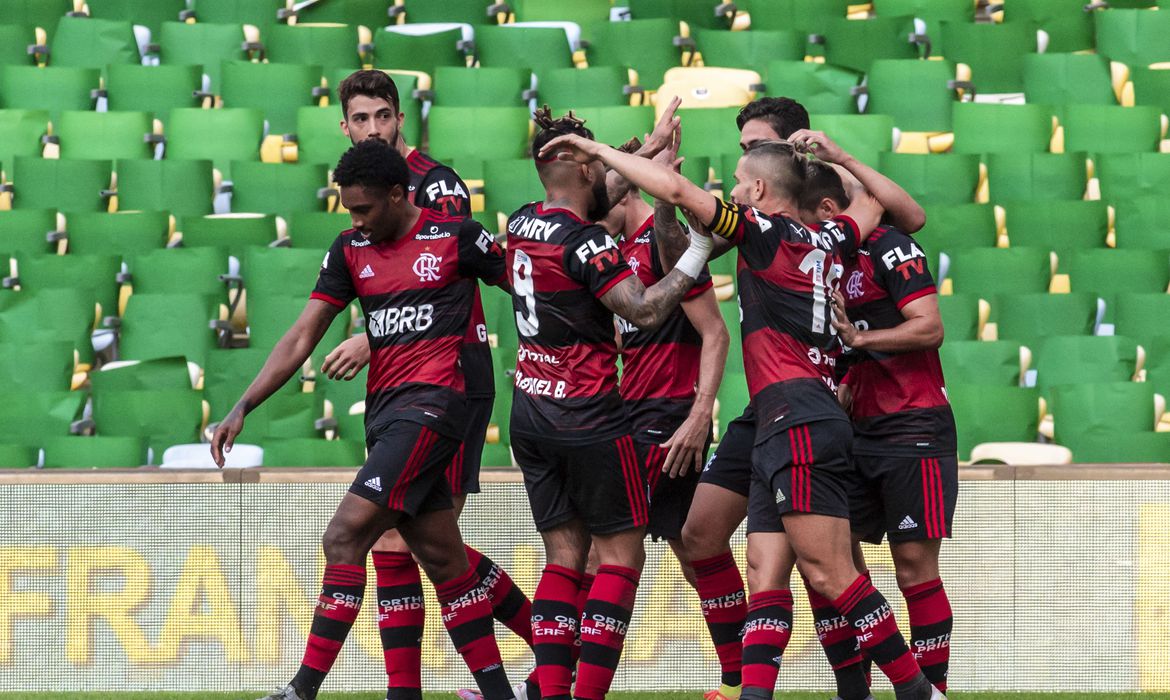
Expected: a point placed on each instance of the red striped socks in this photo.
(554, 629)
(509, 604)
(467, 615)
(401, 615)
(725, 608)
(877, 631)
(931, 621)
(603, 629)
(765, 637)
(836, 635)
(337, 608)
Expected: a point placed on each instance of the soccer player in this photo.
(569, 428)
(904, 432)
(803, 437)
(414, 272)
(370, 109)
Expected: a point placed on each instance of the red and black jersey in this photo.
(417, 294)
(566, 371)
(787, 274)
(899, 400)
(436, 186)
(660, 367)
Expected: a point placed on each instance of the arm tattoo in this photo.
(671, 239)
(645, 307)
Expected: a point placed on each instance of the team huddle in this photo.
(848, 436)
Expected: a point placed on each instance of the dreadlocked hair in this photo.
(551, 127)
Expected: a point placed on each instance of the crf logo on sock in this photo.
(553, 627)
(597, 624)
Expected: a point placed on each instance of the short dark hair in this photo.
(370, 83)
(551, 128)
(785, 168)
(373, 164)
(822, 180)
(785, 115)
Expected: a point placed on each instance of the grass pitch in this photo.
(251, 695)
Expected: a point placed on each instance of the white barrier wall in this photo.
(1056, 585)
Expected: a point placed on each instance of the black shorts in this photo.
(406, 468)
(907, 498)
(670, 499)
(731, 465)
(805, 469)
(463, 473)
(602, 484)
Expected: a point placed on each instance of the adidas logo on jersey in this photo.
(907, 523)
(366, 272)
(375, 484)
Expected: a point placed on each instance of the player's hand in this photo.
(818, 144)
(846, 331)
(571, 147)
(347, 359)
(225, 435)
(664, 131)
(669, 155)
(845, 397)
(685, 448)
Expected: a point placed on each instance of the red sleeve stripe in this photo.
(326, 298)
(698, 290)
(916, 295)
(849, 223)
(614, 282)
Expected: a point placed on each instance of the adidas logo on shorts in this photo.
(907, 523)
(375, 484)
(779, 496)
(366, 272)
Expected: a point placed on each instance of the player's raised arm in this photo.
(286, 358)
(904, 212)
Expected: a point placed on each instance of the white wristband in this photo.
(695, 257)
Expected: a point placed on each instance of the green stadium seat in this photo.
(167, 325)
(1062, 79)
(574, 88)
(419, 52)
(161, 417)
(1130, 129)
(135, 375)
(258, 13)
(218, 135)
(1141, 223)
(1036, 176)
(14, 42)
(481, 87)
(288, 415)
(202, 44)
(148, 14)
(509, 127)
(269, 318)
(806, 16)
(1108, 272)
(27, 231)
(319, 139)
(1013, 270)
(95, 451)
(857, 44)
(1151, 88)
(1127, 447)
(645, 45)
(994, 52)
(1030, 318)
(50, 316)
(1133, 37)
(279, 271)
(934, 179)
(538, 49)
(1070, 359)
(36, 13)
(919, 95)
(931, 12)
(1101, 409)
(1131, 175)
(708, 132)
(83, 42)
(54, 88)
(232, 234)
(351, 423)
(182, 187)
(272, 188)
(1063, 227)
(18, 456)
(334, 47)
(961, 316)
(733, 397)
(316, 230)
(1002, 128)
(180, 271)
(994, 414)
(105, 135)
(153, 89)
(865, 136)
(313, 453)
(36, 366)
(229, 372)
(497, 455)
(698, 14)
(94, 233)
(66, 185)
(277, 89)
(32, 417)
(749, 50)
(981, 363)
(510, 184)
(581, 12)
(367, 13)
(820, 87)
(474, 12)
(732, 317)
(1068, 23)
(615, 125)
(1144, 316)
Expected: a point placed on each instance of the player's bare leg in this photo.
(931, 619)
